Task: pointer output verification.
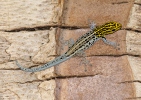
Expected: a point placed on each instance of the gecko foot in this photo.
(92, 24)
(113, 44)
(85, 62)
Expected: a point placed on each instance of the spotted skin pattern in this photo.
(83, 43)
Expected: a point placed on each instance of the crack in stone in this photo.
(115, 55)
(131, 29)
(120, 2)
(63, 27)
(138, 4)
(57, 77)
(133, 98)
(6, 46)
(13, 92)
(30, 29)
(134, 81)
(42, 28)
(33, 81)
(81, 76)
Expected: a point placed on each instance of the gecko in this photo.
(83, 43)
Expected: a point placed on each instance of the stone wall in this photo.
(30, 31)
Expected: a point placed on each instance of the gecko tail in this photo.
(45, 66)
(23, 68)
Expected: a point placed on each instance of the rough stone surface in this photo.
(99, 87)
(135, 65)
(4, 44)
(17, 91)
(47, 50)
(28, 14)
(14, 76)
(47, 89)
(78, 13)
(30, 49)
(138, 90)
(28, 91)
(138, 1)
(133, 43)
(46, 74)
(28, 45)
(135, 17)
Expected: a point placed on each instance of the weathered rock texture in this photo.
(30, 32)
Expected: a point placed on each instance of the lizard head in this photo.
(111, 27)
(107, 28)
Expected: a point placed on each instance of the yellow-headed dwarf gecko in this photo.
(83, 43)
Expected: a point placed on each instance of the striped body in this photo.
(83, 43)
(88, 39)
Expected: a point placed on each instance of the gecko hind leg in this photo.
(113, 44)
(84, 61)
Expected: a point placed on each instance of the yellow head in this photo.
(107, 28)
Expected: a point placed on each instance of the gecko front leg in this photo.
(92, 25)
(113, 44)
